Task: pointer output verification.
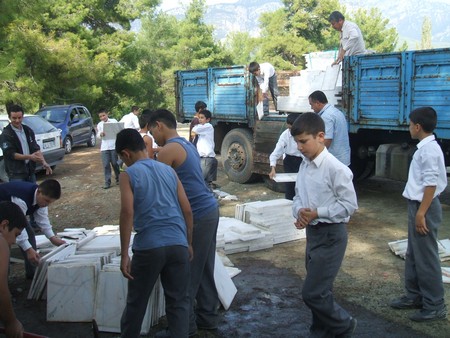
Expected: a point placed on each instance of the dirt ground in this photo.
(268, 302)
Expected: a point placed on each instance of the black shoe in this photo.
(107, 186)
(351, 329)
(428, 315)
(405, 302)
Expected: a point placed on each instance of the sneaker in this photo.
(429, 315)
(107, 186)
(351, 329)
(405, 302)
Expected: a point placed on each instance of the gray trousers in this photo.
(325, 249)
(202, 291)
(109, 158)
(209, 168)
(172, 262)
(273, 88)
(423, 275)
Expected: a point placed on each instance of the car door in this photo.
(84, 124)
(75, 125)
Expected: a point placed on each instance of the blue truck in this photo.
(378, 92)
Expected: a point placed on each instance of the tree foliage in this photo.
(425, 42)
(56, 51)
(377, 35)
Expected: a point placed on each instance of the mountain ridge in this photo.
(405, 15)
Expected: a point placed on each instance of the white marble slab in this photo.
(224, 285)
(111, 294)
(71, 291)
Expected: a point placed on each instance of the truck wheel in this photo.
(237, 155)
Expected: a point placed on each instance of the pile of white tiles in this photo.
(235, 236)
(84, 281)
(399, 248)
(274, 216)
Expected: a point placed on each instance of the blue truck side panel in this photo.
(380, 90)
(228, 92)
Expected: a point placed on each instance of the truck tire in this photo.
(237, 155)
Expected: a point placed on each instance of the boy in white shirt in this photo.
(205, 147)
(292, 157)
(324, 201)
(107, 149)
(267, 80)
(427, 178)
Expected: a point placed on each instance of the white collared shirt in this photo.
(40, 217)
(267, 71)
(205, 143)
(325, 184)
(352, 39)
(130, 120)
(286, 145)
(427, 169)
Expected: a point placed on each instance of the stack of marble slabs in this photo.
(274, 216)
(399, 248)
(38, 285)
(110, 300)
(235, 236)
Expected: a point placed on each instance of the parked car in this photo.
(47, 136)
(75, 122)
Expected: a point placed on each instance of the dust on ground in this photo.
(268, 302)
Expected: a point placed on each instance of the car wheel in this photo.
(68, 144)
(92, 140)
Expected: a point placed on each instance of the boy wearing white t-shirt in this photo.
(205, 147)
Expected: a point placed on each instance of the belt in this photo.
(320, 225)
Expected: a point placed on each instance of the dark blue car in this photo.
(75, 122)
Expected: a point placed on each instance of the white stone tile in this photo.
(225, 286)
(71, 291)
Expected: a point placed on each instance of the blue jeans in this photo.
(109, 158)
(172, 262)
(202, 291)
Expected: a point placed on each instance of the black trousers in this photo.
(291, 165)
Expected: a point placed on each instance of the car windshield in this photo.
(38, 124)
(57, 115)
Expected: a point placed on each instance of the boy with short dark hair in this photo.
(12, 222)
(107, 149)
(427, 178)
(183, 157)
(199, 106)
(33, 199)
(324, 201)
(205, 147)
(154, 203)
(267, 80)
(292, 157)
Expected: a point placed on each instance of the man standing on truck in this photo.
(267, 79)
(351, 39)
(336, 130)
